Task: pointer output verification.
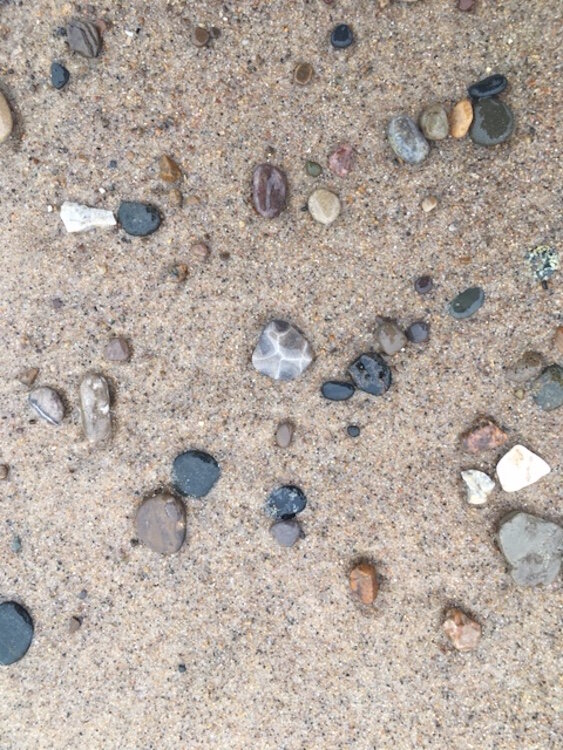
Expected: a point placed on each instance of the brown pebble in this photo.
(461, 118)
(74, 624)
(341, 160)
(161, 523)
(199, 252)
(465, 4)
(558, 339)
(284, 434)
(429, 203)
(4, 471)
(117, 350)
(363, 582)
(483, 437)
(27, 377)
(179, 272)
(303, 73)
(463, 632)
(169, 170)
(269, 190)
(175, 197)
(200, 36)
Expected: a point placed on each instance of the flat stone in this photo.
(467, 303)
(16, 632)
(547, 390)
(200, 36)
(285, 502)
(337, 390)
(117, 350)
(462, 630)
(390, 337)
(284, 434)
(59, 75)
(269, 190)
(286, 532)
(484, 436)
(138, 219)
(28, 376)
(406, 140)
(434, 122)
(465, 5)
(418, 332)
(84, 38)
(479, 486)
(303, 73)
(461, 118)
(341, 36)
(48, 404)
(324, 206)
(423, 284)
(6, 119)
(194, 473)
(363, 582)
(161, 523)
(520, 468)
(532, 547)
(490, 86)
(371, 374)
(341, 160)
(493, 122)
(169, 170)
(95, 407)
(526, 368)
(79, 218)
(282, 352)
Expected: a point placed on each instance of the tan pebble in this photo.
(200, 36)
(4, 471)
(169, 170)
(199, 251)
(429, 203)
(461, 118)
(6, 119)
(463, 632)
(363, 582)
(303, 73)
(558, 339)
(27, 377)
(193, 200)
(175, 198)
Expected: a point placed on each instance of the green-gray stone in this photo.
(547, 390)
(532, 546)
(544, 261)
(16, 632)
(493, 122)
(313, 169)
(466, 303)
(434, 122)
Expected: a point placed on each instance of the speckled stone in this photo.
(95, 407)
(117, 350)
(337, 390)
(547, 390)
(282, 352)
(490, 86)
(364, 583)
(48, 404)
(286, 532)
(341, 160)
(467, 303)
(371, 374)
(138, 219)
(194, 473)
(434, 122)
(479, 486)
(520, 468)
(16, 632)
(285, 502)
(284, 434)
(526, 368)
(6, 119)
(543, 261)
(161, 523)
(532, 547)
(493, 122)
(324, 206)
(406, 140)
(269, 190)
(59, 75)
(485, 435)
(84, 38)
(390, 337)
(462, 630)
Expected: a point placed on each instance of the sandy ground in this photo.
(278, 656)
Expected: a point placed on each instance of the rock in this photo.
(493, 122)
(423, 284)
(341, 36)
(199, 252)
(4, 471)
(526, 368)
(200, 36)
(479, 486)
(465, 5)
(363, 582)
(406, 140)
(532, 547)
(28, 376)
(466, 303)
(303, 73)
(161, 523)
(194, 473)
(286, 532)
(179, 272)
(461, 118)
(269, 190)
(48, 404)
(520, 468)
(79, 218)
(337, 390)
(547, 390)
(6, 119)
(390, 337)
(463, 632)
(84, 38)
(16, 632)
(175, 198)
(418, 332)
(282, 352)
(285, 502)
(434, 122)
(169, 170)
(543, 261)
(324, 206)
(284, 434)
(313, 169)
(95, 407)
(138, 219)
(371, 374)
(490, 86)
(429, 203)
(341, 160)
(353, 430)
(558, 339)
(117, 350)
(74, 624)
(484, 436)
(59, 75)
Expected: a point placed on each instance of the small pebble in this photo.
(16, 632)
(520, 468)
(95, 407)
(434, 122)
(199, 252)
(117, 350)
(4, 471)
(465, 5)
(479, 486)
(284, 434)
(16, 544)
(169, 170)
(341, 36)
(200, 36)
(161, 523)
(363, 582)
(337, 390)
(466, 303)
(324, 206)
(79, 218)
(390, 337)
(181, 668)
(461, 118)
(532, 547)
(423, 284)
(6, 119)
(27, 377)
(269, 190)
(543, 261)
(429, 203)
(84, 38)
(285, 502)
(194, 473)
(490, 86)
(484, 436)
(371, 374)
(286, 531)
(303, 73)
(59, 75)
(313, 169)
(526, 368)
(48, 404)
(341, 160)
(74, 624)
(179, 272)
(493, 122)
(406, 140)
(418, 332)
(558, 339)
(175, 198)
(463, 632)
(353, 430)
(138, 219)
(547, 390)
(282, 351)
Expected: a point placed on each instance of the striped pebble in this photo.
(84, 38)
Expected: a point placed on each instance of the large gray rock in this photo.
(532, 546)
(282, 352)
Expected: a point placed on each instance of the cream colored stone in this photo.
(479, 486)
(520, 468)
(324, 206)
(6, 119)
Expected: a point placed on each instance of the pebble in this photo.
(16, 632)
(324, 206)
(200, 36)
(74, 624)
(79, 218)
(547, 390)
(6, 119)
(390, 337)
(490, 86)
(484, 436)
(461, 118)
(493, 122)
(269, 190)
(194, 473)
(341, 160)
(543, 261)
(406, 140)
(138, 219)
(4, 471)
(465, 5)
(95, 407)
(59, 75)
(532, 547)
(423, 284)
(84, 38)
(558, 339)
(341, 36)
(284, 434)
(434, 122)
(371, 374)
(353, 430)
(27, 377)
(313, 169)
(462, 630)
(526, 368)
(418, 332)
(479, 486)
(303, 73)
(285, 502)
(286, 532)
(467, 303)
(169, 170)
(117, 350)
(282, 351)
(337, 390)
(48, 404)
(429, 203)
(199, 252)
(363, 582)
(520, 468)
(161, 523)
(179, 272)
(175, 198)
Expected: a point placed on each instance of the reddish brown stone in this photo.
(269, 190)
(363, 582)
(463, 632)
(484, 437)
(342, 160)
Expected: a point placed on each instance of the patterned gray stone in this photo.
(282, 352)
(95, 407)
(84, 38)
(532, 546)
(47, 403)
(406, 140)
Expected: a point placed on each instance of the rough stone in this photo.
(363, 582)
(490, 86)
(434, 122)
(423, 284)
(543, 261)
(169, 170)
(462, 630)
(484, 436)
(282, 352)
(390, 337)
(337, 390)
(371, 374)
(558, 339)
(194, 473)
(95, 407)
(161, 523)
(269, 190)
(406, 140)
(84, 38)
(479, 486)
(59, 75)
(520, 468)
(6, 119)
(117, 350)
(284, 434)
(28, 376)
(199, 252)
(418, 332)
(532, 547)
(341, 160)
(493, 122)
(286, 532)
(79, 218)
(324, 206)
(547, 390)
(526, 368)
(285, 502)
(467, 303)
(48, 404)
(16, 632)
(461, 118)
(138, 219)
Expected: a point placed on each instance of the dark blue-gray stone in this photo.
(341, 36)
(466, 303)
(16, 632)
(406, 140)
(371, 373)
(285, 502)
(490, 86)
(547, 390)
(59, 75)
(353, 430)
(418, 332)
(337, 390)
(138, 219)
(194, 473)
(493, 122)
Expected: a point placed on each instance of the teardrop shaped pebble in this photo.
(269, 190)
(406, 140)
(466, 303)
(95, 407)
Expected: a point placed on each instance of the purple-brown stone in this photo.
(269, 190)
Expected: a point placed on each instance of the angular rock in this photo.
(466, 303)
(493, 122)
(282, 352)
(161, 523)
(28, 376)
(84, 38)
(418, 332)
(324, 206)
(16, 632)
(406, 140)
(341, 160)
(138, 219)
(95, 407)
(194, 473)
(547, 390)
(286, 532)
(6, 119)
(543, 261)
(390, 337)
(117, 350)
(337, 390)
(363, 582)
(434, 122)
(526, 368)
(520, 468)
(463, 632)
(79, 218)
(490, 86)
(48, 404)
(284, 434)
(484, 436)
(285, 502)
(532, 547)
(479, 486)
(269, 190)
(461, 118)
(59, 75)
(169, 170)
(371, 373)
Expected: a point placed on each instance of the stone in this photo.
(303, 73)
(179, 272)
(526, 368)
(479, 486)
(547, 390)
(406, 140)
(161, 523)
(28, 376)
(467, 303)
(117, 350)
(74, 624)
(95, 407)
(269, 190)
(313, 169)
(6, 119)
(337, 390)
(418, 332)
(520, 468)
(324, 206)
(484, 436)
(341, 36)
(490, 86)
(532, 547)
(79, 218)
(434, 122)
(353, 430)
(543, 261)
(390, 337)
(200, 36)
(284, 434)
(48, 404)
(4, 471)
(423, 284)
(282, 351)
(169, 170)
(59, 75)
(199, 252)
(371, 374)
(285, 502)
(462, 630)
(286, 531)
(84, 38)
(341, 160)
(363, 582)
(429, 203)
(558, 339)
(138, 219)
(175, 198)
(493, 122)
(16, 632)
(465, 5)
(194, 473)
(461, 118)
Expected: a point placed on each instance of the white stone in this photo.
(479, 486)
(79, 218)
(6, 119)
(282, 352)
(324, 206)
(95, 407)
(519, 468)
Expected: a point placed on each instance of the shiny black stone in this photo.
(138, 219)
(59, 75)
(490, 86)
(16, 632)
(341, 36)
(194, 473)
(285, 502)
(353, 430)
(371, 373)
(337, 390)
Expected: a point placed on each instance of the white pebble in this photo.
(520, 468)
(79, 218)
(479, 486)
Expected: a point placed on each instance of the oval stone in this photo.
(490, 86)
(16, 632)
(59, 75)
(6, 119)
(269, 190)
(434, 122)
(324, 206)
(84, 38)
(48, 404)
(466, 303)
(371, 373)
(161, 523)
(337, 390)
(138, 219)
(285, 502)
(493, 122)
(95, 407)
(406, 140)
(286, 532)
(194, 473)
(418, 332)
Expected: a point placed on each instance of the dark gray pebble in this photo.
(547, 390)
(286, 532)
(490, 86)
(138, 219)
(353, 430)
(466, 303)
(371, 373)
(194, 473)
(423, 284)
(342, 36)
(418, 332)
(59, 75)
(493, 122)
(84, 38)
(16, 632)
(285, 502)
(337, 390)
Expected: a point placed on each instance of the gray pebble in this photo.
(47, 403)
(406, 140)
(418, 332)
(161, 523)
(526, 368)
(282, 352)
(467, 303)
(84, 38)
(434, 122)
(286, 532)
(493, 122)
(533, 548)
(547, 390)
(284, 434)
(117, 350)
(95, 407)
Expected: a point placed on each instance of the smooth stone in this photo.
(371, 374)
(284, 434)
(341, 160)
(95, 407)
(282, 351)
(479, 486)
(423, 284)
(434, 122)
(313, 169)
(547, 390)
(337, 390)
(493, 122)
(269, 190)
(138, 219)
(532, 547)
(490, 86)
(485, 435)
(59, 75)
(390, 337)
(467, 303)
(4, 471)
(429, 203)
(353, 430)
(285, 502)
(341, 36)
(526, 368)
(194, 473)
(200, 36)
(79, 218)
(324, 206)
(303, 73)
(286, 532)
(6, 119)
(84, 38)
(543, 261)
(117, 350)
(465, 5)
(48, 404)
(16, 632)
(418, 332)
(364, 583)
(520, 468)
(462, 630)
(161, 523)
(461, 118)
(406, 140)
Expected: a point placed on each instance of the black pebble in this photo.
(181, 668)
(59, 75)
(16, 632)
(341, 36)
(490, 86)
(418, 332)
(138, 219)
(285, 502)
(337, 390)
(194, 473)
(371, 373)
(423, 284)
(353, 430)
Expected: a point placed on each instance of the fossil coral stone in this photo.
(282, 352)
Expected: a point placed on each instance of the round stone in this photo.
(390, 337)
(161, 523)
(493, 122)
(194, 473)
(490, 86)
(285, 502)
(371, 374)
(467, 303)
(461, 118)
(423, 284)
(406, 140)
(324, 206)
(434, 122)
(418, 332)
(269, 190)
(303, 73)
(200, 36)
(284, 434)
(337, 390)
(313, 169)
(341, 36)
(286, 532)
(117, 350)
(138, 219)
(6, 119)
(353, 430)
(547, 390)
(84, 38)
(526, 368)
(282, 351)
(48, 404)
(429, 203)
(59, 75)
(341, 160)
(16, 632)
